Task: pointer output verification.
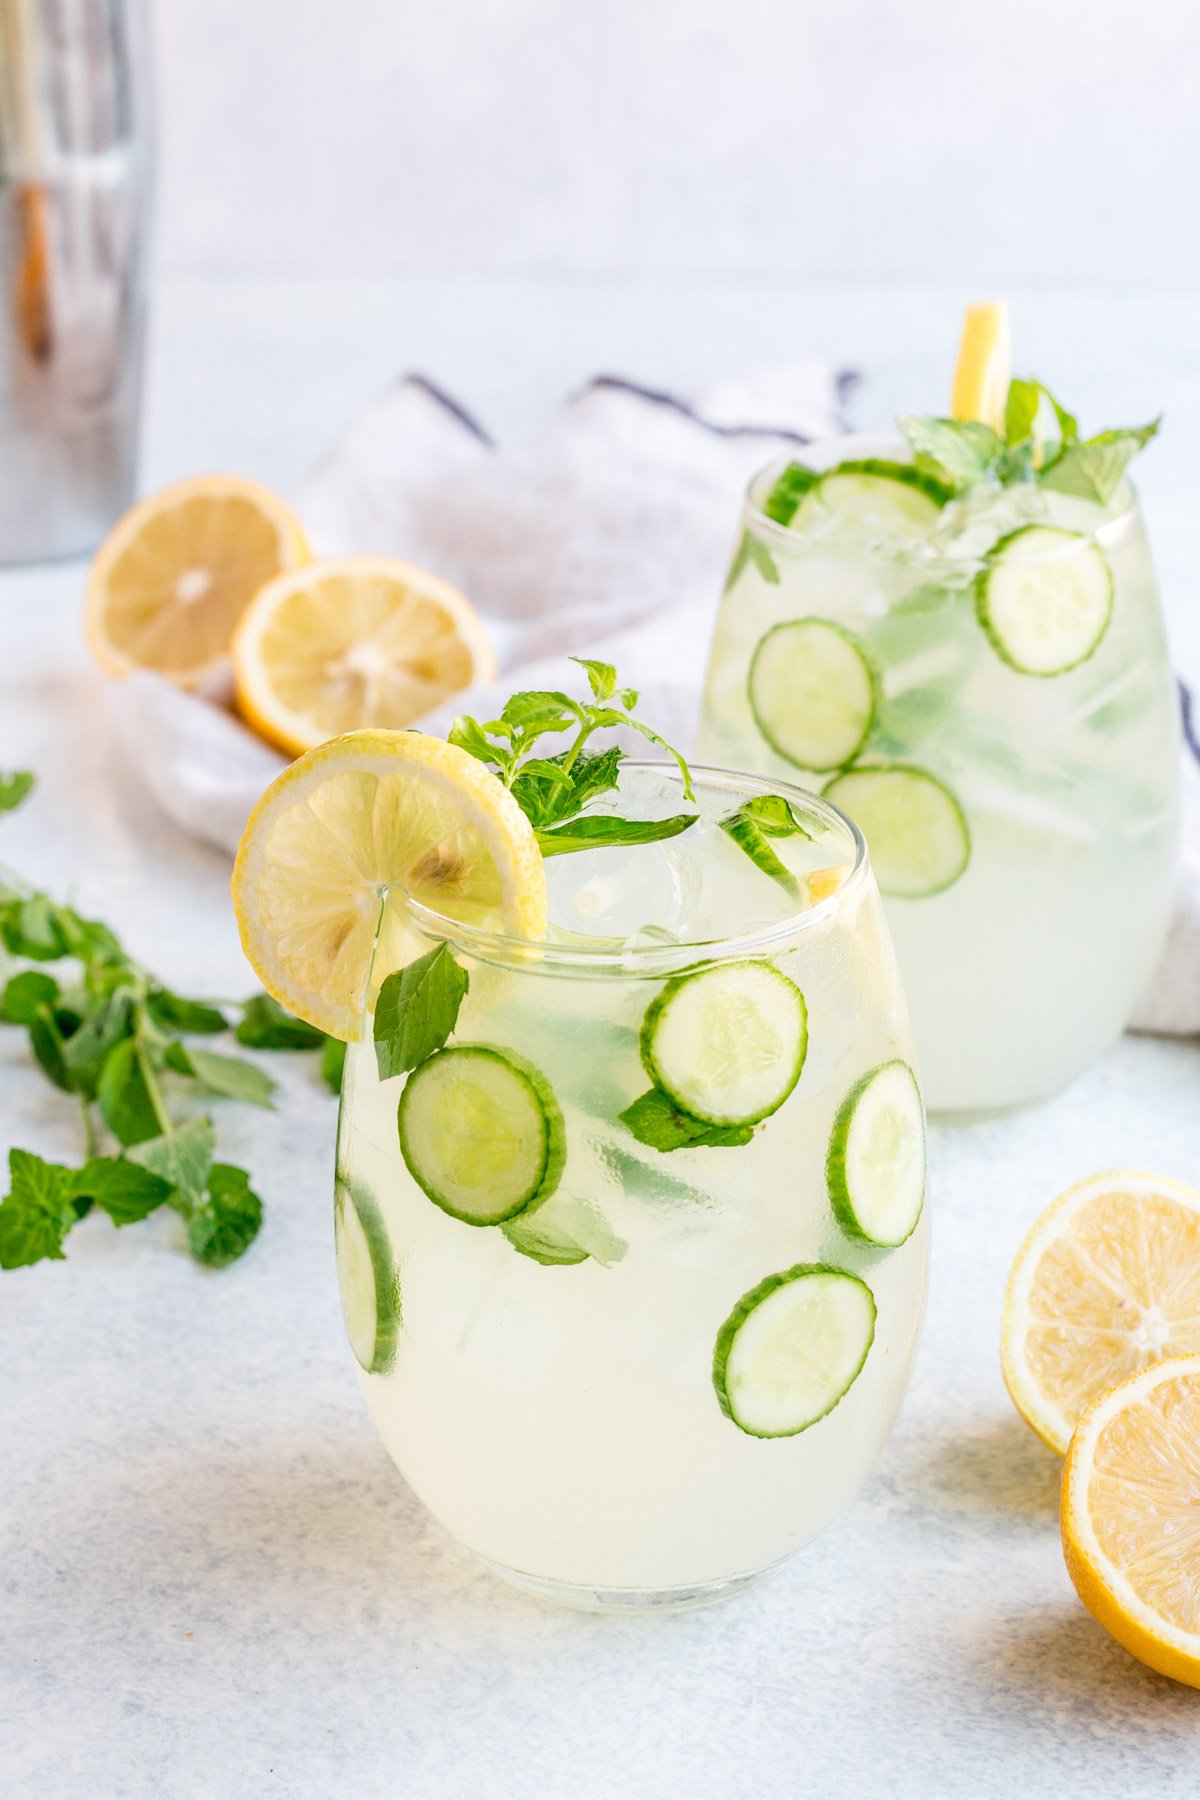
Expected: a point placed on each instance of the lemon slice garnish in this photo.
(175, 574)
(1107, 1281)
(341, 839)
(984, 367)
(352, 643)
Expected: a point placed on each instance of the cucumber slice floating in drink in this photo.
(792, 1348)
(915, 829)
(872, 499)
(481, 1133)
(876, 1162)
(812, 691)
(367, 1279)
(1044, 599)
(727, 1044)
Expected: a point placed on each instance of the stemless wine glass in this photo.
(985, 688)
(634, 1268)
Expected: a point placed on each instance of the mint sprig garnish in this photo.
(552, 791)
(1040, 442)
(111, 1036)
(762, 817)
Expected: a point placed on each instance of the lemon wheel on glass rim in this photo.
(344, 836)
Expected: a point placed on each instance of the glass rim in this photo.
(877, 443)
(650, 961)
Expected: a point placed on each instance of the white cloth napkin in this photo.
(605, 534)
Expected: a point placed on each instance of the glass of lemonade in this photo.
(634, 1266)
(980, 678)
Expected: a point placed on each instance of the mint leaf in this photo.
(226, 1075)
(182, 1158)
(25, 994)
(470, 736)
(14, 788)
(264, 1025)
(226, 1223)
(1021, 409)
(602, 677)
(122, 1189)
(417, 1010)
(1093, 467)
(775, 815)
(786, 494)
(333, 1063)
(86, 1050)
(32, 930)
(46, 1042)
(600, 832)
(655, 1121)
(37, 1213)
(123, 1093)
(964, 450)
(172, 1012)
(565, 1230)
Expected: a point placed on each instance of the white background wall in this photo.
(1051, 142)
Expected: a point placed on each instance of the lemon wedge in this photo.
(341, 840)
(175, 574)
(1129, 1518)
(1107, 1281)
(984, 367)
(353, 643)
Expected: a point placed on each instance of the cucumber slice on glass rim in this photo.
(812, 691)
(726, 1044)
(915, 829)
(367, 1281)
(481, 1133)
(876, 1162)
(787, 491)
(874, 499)
(1044, 598)
(792, 1348)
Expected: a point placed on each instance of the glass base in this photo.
(633, 1600)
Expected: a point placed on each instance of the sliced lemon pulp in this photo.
(175, 574)
(1131, 1515)
(343, 837)
(1107, 1281)
(984, 366)
(352, 643)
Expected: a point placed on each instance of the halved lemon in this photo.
(984, 366)
(342, 838)
(173, 577)
(1107, 1281)
(353, 643)
(1131, 1515)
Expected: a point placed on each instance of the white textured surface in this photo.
(868, 138)
(212, 1583)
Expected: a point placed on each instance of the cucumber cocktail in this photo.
(956, 636)
(633, 1266)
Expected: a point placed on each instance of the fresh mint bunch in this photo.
(553, 791)
(1040, 442)
(103, 1030)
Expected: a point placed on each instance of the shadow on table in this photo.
(1065, 1664)
(1000, 1469)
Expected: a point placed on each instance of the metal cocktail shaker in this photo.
(74, 194)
